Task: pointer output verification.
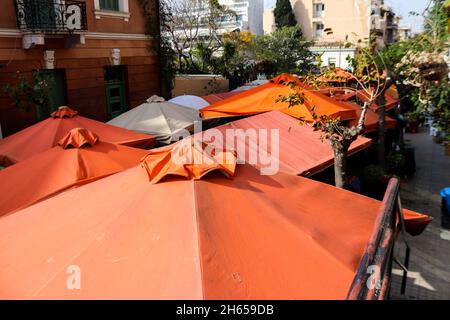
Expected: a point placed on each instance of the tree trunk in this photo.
(381, 102)
(403, 100)
(340, 149)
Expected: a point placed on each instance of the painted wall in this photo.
(269, 21)
(199, 85)
(135, 24)
(345, 17)
(338, 55)
(83, 64)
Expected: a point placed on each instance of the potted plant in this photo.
(27, 94)
(438, 138)
(447, 144)
(375, 181)
(412, 123)
(396, 164)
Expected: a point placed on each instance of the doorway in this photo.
(115, 87)
(56, 82)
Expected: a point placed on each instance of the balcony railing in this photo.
(51, 16)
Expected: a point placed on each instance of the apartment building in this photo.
(248, 17)
(95, 52)
(249, 14)
(346, 18)
(332, 23)
(269, 25)
(404, 32)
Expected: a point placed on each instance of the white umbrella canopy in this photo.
(190, 101)
(160, 118)
(250, 85)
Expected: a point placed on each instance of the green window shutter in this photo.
(116, 96)
(112, 5)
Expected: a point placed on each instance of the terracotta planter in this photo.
(435, 71)
(437, 139)
(413, 127)
(447, 149)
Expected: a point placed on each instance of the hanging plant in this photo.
(27, 94)
(419, 67)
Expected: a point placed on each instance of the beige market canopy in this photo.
(159, 118)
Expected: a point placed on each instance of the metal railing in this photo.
(373, 277)
(51, 16)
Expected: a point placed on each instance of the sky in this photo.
(401, 7)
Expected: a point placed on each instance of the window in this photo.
(112, 5)
(319, 10)
(319, 27)
(111, 9)
(332, 62)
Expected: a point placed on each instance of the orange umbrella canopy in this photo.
(390, 95)
(216, 97)
(263, 98)
(221, 239)
(299, 150)
(46, 134)
(241, 235)
(371, 121)
(337, 75)
(78, 159)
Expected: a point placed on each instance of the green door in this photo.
(115, 90)
(56, 82)
(115, 98)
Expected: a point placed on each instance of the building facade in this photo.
(404, 32)
(95, 54)
(249, 14)
(269, 25)
(331, 23)
(346, 18)
(248, 17)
